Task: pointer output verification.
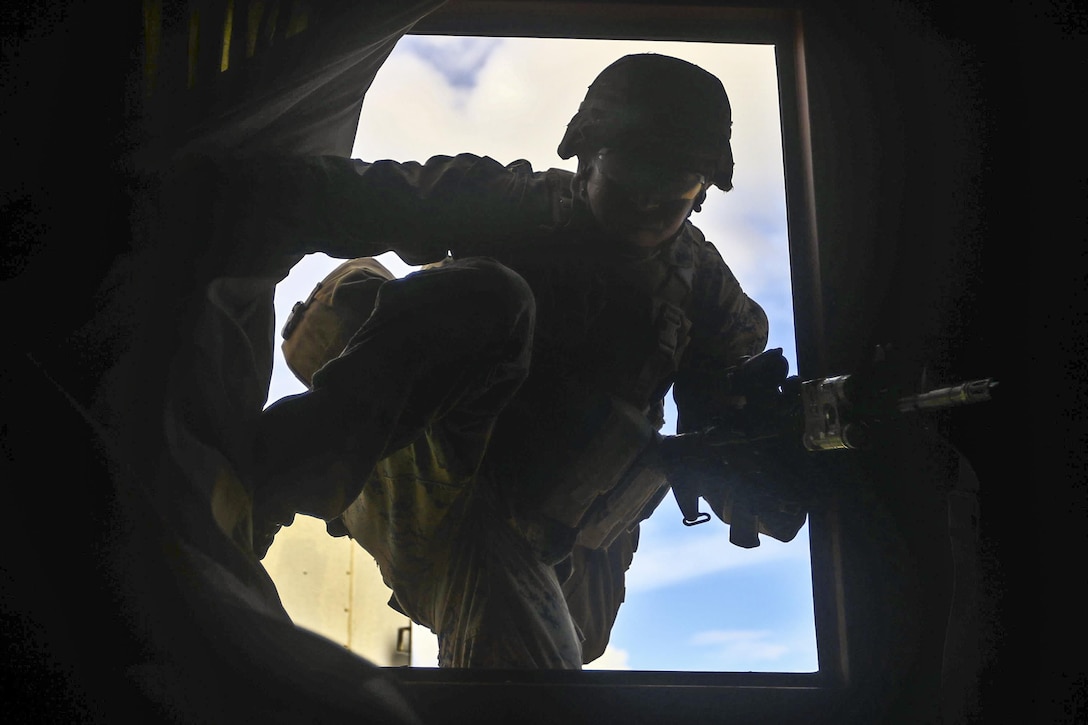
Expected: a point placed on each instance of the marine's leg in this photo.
(450, 344)
(498, 606)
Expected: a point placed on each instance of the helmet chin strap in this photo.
(698, 205)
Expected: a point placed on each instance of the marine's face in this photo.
(638, 201)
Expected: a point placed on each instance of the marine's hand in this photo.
(754, 485)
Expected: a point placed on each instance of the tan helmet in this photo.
(661, 105)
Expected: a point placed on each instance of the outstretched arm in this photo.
(266, 207)
(746, 484)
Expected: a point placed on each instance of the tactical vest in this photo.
(594, 485)
(587, 485)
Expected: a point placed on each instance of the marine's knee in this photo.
(470, 307)
(494, 299)
(495, 291)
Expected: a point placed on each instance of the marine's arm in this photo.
(727, 325)
(350, 208)
(749, 486)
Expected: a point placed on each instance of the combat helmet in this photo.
(658, 104)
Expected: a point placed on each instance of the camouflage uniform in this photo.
(510, 394)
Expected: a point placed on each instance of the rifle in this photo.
(780, 424)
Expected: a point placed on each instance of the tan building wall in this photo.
(332, 587)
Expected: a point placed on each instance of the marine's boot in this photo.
(308, 461)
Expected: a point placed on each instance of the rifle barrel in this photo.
(974, 391)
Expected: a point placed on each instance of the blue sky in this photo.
(695, 602)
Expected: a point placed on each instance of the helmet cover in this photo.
(660, 106)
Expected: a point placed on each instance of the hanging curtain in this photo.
(253, 76)
(226, 78)
(178, 351)
(131, 396)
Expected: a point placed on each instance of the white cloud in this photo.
(527, 90)
(457, 58)
(741, 645)
(669, 553)
(613, 658)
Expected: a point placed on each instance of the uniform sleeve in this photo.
(727, 325)
(349, 208)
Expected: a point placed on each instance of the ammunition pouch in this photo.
(671, 327)
(603, 488)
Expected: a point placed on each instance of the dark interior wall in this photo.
(948, 167)
(64, 218)
(66, 74)
(892, 156)
(1054, 186)
(917, 166)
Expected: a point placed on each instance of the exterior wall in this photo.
(332, 587)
